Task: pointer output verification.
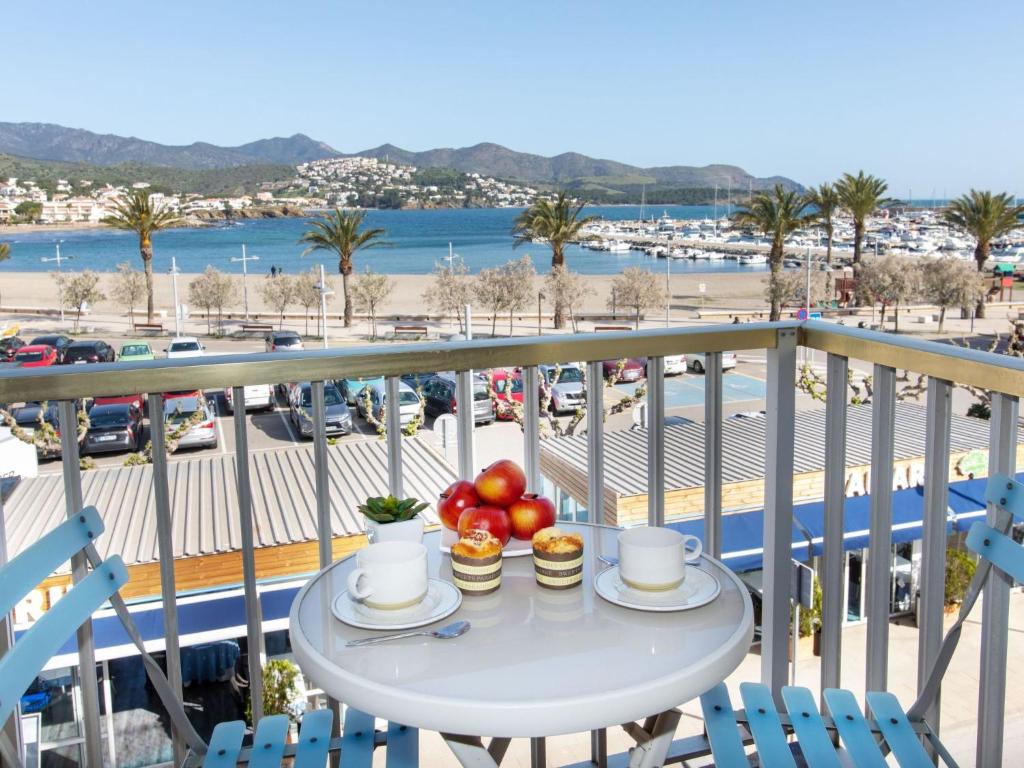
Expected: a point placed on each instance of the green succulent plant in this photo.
(382, 509)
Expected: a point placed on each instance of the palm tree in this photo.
(558, 223)
(826, 200)
(342, 232)
(135, 212)
(860, 196)
(776, 214)
(985, 216)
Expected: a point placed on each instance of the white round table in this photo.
(536, 662)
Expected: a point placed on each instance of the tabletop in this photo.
(536, 662)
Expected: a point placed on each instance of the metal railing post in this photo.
(321, 480)
(778, 510)
(934, 537)
(656, 441)
(68, 417)
(713, 453)
(531, 428)
(165, 548)
(879, 571)
(995, 608)
(464, 400)
(595, 441)
(253, 614)
(833, 606)
(394, 436)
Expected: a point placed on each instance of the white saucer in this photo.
(514, 548)
(442, 600)
(699, 588)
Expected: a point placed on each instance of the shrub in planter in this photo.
(284, 692)
(960, 568)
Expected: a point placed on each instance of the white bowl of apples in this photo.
(495, 502)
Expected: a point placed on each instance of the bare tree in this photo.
(370, 290)
(889, 281)
(637, 289)
(517, 282)
(567, 289)
(128, 288)
(489, 292)
(201, 295)
(449, 291)
(792, 288)
(224, 292)
(307, 292)
(79, 290)
(949, 282)
(278, 293)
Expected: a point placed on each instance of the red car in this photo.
(133, 400)
(36, 356)
(632, 370)
(508, 389)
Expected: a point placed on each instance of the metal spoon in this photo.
(454, 629)
(608, 559)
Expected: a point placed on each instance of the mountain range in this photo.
(47, 141)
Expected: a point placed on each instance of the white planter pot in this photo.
(408, 530)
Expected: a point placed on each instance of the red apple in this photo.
(491, 519)
(456, 498)
(529, 514)
(501, 483)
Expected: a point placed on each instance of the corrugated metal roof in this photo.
(743, 447)
(204, 500)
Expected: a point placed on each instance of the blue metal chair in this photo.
(865, 741)
(22, 664)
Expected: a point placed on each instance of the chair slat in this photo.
(225, 744)
(22, 663)
(268, 742)
(357, 739)
(314, 739)
(24, 572)
(853, 729)
(403, 750)
(904, 743)
(765, 726)
(1006, 554)
(812, 736)
(1005, 492)
(723, 733)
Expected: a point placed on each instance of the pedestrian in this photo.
(273, 271)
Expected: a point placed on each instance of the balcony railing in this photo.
(945, 366)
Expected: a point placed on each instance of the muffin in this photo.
(476, 563)
(558, 558)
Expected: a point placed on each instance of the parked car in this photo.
(408, 402)
(417, 380)
(283, 341)
(135, 351)
(337, 416)
(632, 369)
(59, 342)
(114, 427)
(256, 396)
(27, 417)
(180, 408)
(349, 388)
(507, 387)
(138, 401)
(184, 346)
(94, 351)
(696, 361)
(674, 365)
(567, 393)
(36, 356)
(439, 394)
(9, 346)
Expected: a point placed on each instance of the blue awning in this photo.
(743, 532)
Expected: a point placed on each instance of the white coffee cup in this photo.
(389, 575)
(654, 559)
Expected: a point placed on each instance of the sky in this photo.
(927, 95)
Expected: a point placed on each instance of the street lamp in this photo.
(324, 293)
(245, 272)
(540, 298)
(60, 282)
(174, 285)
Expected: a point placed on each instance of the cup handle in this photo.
(353, 585)
(692, 556)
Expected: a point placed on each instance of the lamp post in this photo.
(245, 272)
(668, 287)
(540, 298)
(174, 285)
(324, 293)
(60, 282)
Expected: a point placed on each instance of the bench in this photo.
(415, 331)
(152, 328)
(599, 328)
(257, 328)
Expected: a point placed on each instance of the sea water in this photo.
(417, 240)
